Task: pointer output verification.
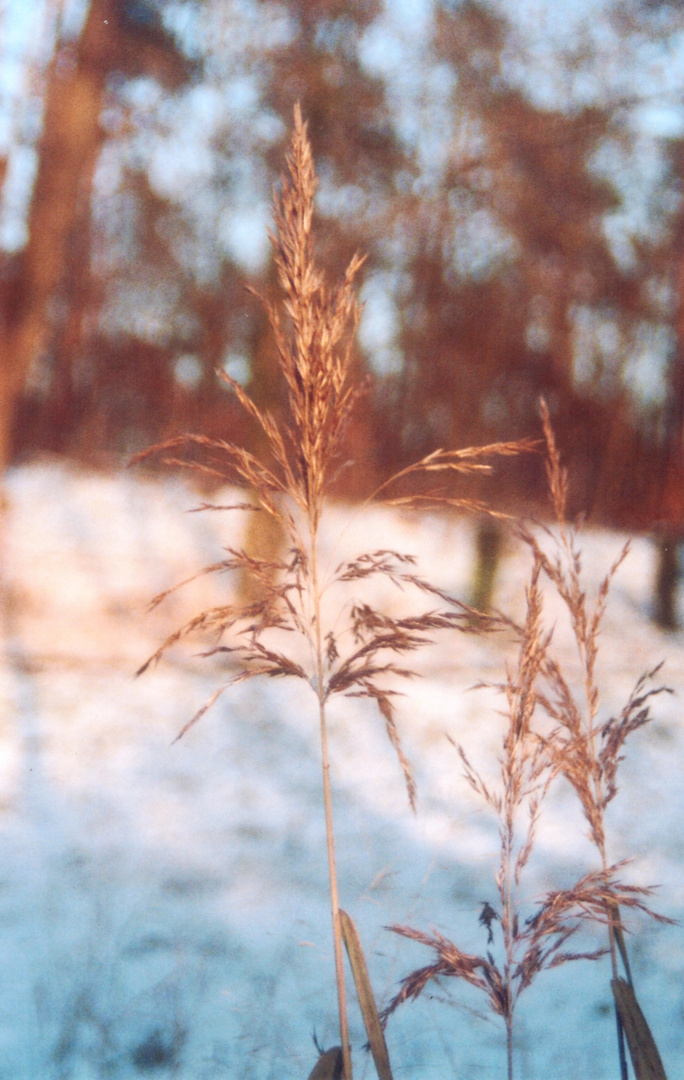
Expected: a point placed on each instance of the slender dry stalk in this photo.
(583, 750)
(313, 330)
(528, 945)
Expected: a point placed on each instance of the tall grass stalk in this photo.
(583, 748)
(357, 652)
(525, 945)
(587, 753)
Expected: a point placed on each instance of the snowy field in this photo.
(163, 907)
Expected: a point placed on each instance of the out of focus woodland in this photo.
(518, 197)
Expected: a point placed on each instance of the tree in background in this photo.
(47, 290)
(661, 436)
(487, 216)
(146, 297)
(512, 279)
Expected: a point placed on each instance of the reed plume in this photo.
(584, 751)
(583, 748)
(362, 648)
(527, 945)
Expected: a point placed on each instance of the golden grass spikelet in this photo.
(580, 747)
(583, 749)
(525, 774)
(313, 327)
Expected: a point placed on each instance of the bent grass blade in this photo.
(643, 1051)
(364, 992)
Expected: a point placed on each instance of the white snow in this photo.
(164, 904)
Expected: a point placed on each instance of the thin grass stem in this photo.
(327, 801)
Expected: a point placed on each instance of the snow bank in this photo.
(164, 905)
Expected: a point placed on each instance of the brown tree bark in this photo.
(67, 154)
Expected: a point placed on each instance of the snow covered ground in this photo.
(163, 906)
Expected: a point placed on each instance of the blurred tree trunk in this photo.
(52, 272)
(489, 542)
(66, 158)
(667, 582)
(671, 516)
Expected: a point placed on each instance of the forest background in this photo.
(512, 172)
